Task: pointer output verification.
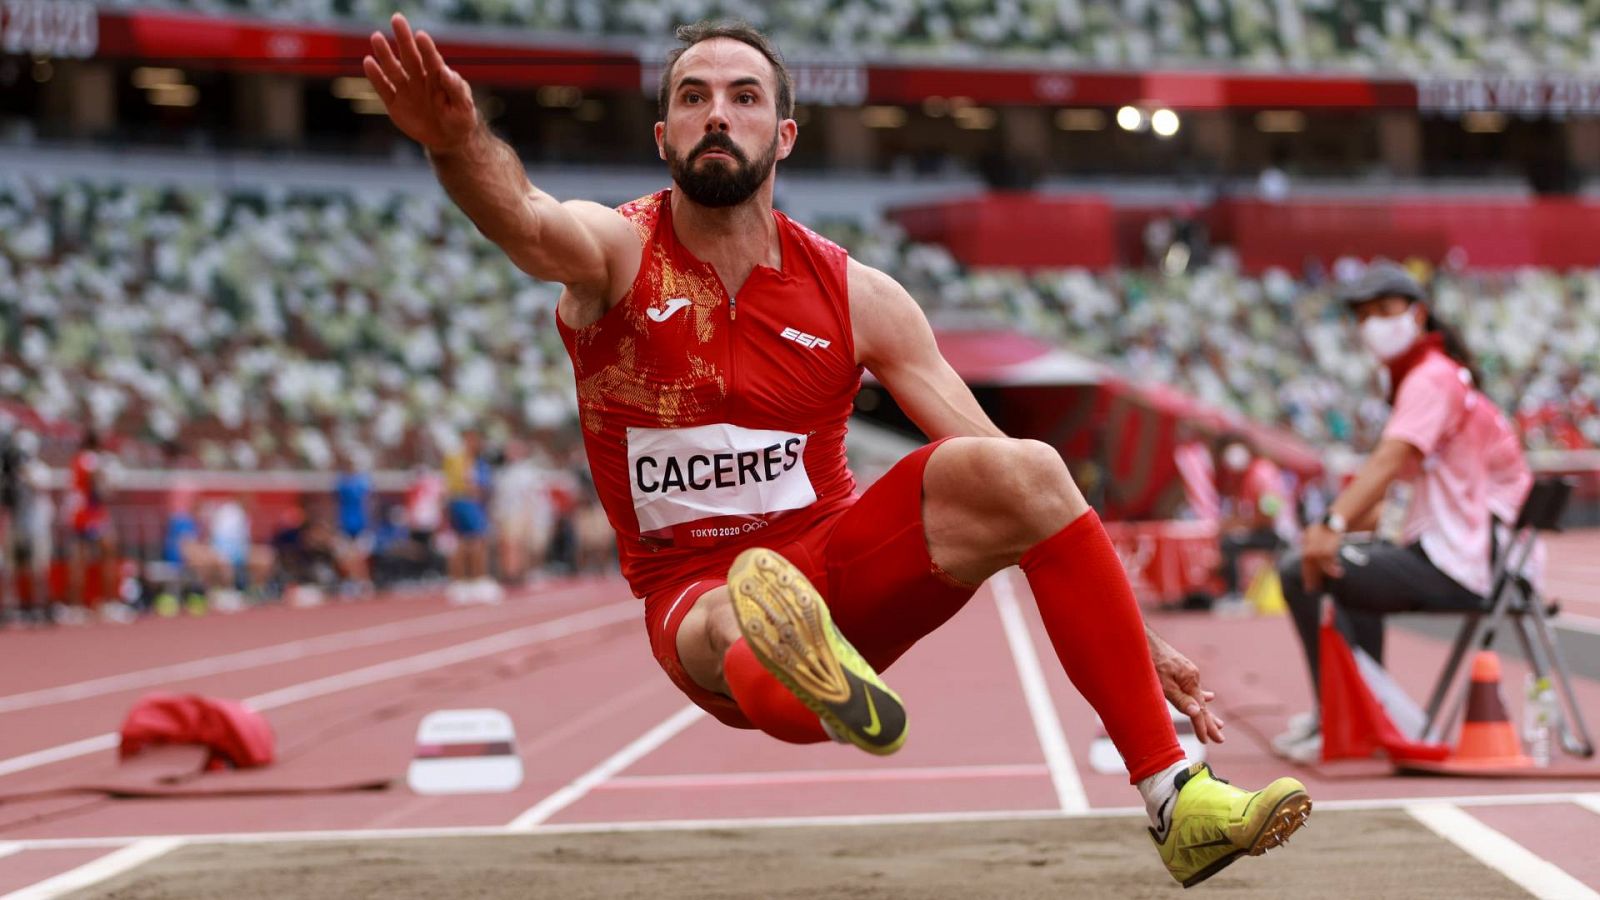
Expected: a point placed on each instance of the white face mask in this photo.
(1389, 336)
(1236, 458)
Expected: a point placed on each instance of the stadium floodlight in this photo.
(353, 88)
(173, 95)
(1484, 121)
(1129, 118)
(883, 116)
(1164, 122)
(148, 77)
(1280, 121)
(975, 118)
(1080, 120)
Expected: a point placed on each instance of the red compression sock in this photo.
(765, 701)
(1094, 623)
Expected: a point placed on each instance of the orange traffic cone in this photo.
(1487, 738)
(1488, 743)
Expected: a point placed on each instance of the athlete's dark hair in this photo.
(689, 35)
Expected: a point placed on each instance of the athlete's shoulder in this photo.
(645, 212)
(815, 241)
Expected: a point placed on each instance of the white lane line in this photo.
(56, 754)
(410, 665)
(1574, 622)
(647, 825)
(1046, 724)
(819, 776)
(9, 849)
(608, 767)
(1590, 802)
(90, 874)
(1536, 875)
(243, 659)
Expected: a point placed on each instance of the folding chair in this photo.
(1512, 596)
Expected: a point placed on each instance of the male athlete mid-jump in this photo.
(718, 347)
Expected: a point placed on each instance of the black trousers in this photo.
(1235, 543)
(1378, 578)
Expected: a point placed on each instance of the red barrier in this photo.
(1167, 561)
(1031, 231)
(1017, 230)
(1491, 233)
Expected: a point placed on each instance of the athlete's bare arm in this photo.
(587, 247)
(895, 343)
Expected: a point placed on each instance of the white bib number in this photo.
(680, 475)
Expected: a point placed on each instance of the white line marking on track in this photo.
(608, 767)
(410, 665)
(1574, 622)
(9, 849)
(1590, 802)
(820, 776)
(1533, 873)
(56, 754)
(1046, 724)
(92, 873)
(644, 825)
(243, 659)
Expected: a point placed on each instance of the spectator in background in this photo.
(353, 491)
(425, 506)
(516, 506)
(307, 552)
(35, 524)
(1197, 471)
(249, 565)
(1448, 457)
(201, 569)
(92, 537)
(466, 482)
(1256, 512)
(397, 554)
(11, 463)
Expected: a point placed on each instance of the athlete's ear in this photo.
(661, 150)
(788, 131)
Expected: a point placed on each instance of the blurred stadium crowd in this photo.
(1452, 35)
(270, 330)
(365, 331)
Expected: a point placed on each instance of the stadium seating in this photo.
(1278, 348)
(1409, 35)
(254, 330)
(263, 329)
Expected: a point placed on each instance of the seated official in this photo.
(1448, 454)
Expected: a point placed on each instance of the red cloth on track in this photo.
(237, 736)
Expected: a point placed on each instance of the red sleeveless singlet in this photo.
(715, 423)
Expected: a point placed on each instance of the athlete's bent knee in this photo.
(1037, 483)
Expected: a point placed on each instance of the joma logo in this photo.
(806, 340)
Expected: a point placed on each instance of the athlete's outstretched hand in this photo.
(427, 99)
(1180, 681)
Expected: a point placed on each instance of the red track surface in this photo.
(581, 697)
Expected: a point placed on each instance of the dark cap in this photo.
(1382, 279)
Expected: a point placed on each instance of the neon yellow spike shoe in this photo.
(1214, 823)
(786, 624)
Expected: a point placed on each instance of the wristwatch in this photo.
(1334, 522)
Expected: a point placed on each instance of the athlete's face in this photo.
(723, 108)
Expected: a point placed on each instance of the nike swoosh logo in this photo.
(673, 305)
(874, 727)
(1219, 842)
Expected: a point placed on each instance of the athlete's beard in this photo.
(720, 183)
